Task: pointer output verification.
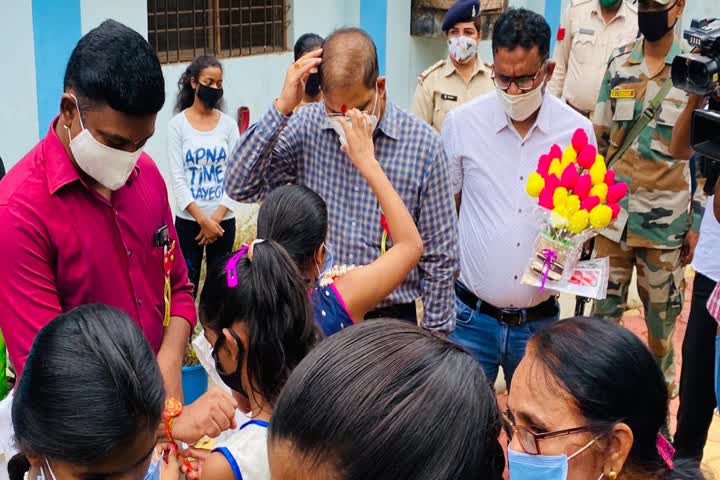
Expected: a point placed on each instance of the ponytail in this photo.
(186, 94)
(18, 466)
(261, 287)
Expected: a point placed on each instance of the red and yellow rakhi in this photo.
(168, 260)
(385, 234)
(173, 409)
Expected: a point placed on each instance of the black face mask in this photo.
(233, 379)
(654, 25)
(312, 85)
(209, 96)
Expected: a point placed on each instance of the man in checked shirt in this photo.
(304, 148)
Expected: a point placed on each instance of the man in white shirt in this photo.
(493, 143)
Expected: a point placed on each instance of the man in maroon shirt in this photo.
(86, 217)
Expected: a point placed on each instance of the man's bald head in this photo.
(349, 57)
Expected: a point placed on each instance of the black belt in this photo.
(509, 316)
(400, 311)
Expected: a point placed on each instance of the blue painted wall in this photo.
(56, 29)
(553, 14)
(373, 19)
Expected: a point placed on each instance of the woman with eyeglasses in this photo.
(587, 402)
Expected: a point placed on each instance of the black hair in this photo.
(519, 27)
(307, 43)
(90, 385)
(271, 299)
(348, 54)
(378, 399)
(613, 378)
(297, 218)
(186, 94)
(114, 65)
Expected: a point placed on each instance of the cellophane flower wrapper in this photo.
(556, 253)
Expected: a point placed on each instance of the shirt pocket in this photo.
(583, 48)
(665, 120)
(444, 102)
(624, 110)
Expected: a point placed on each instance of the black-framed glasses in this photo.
(523, 83)
(529, 440)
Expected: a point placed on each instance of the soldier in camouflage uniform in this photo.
(658, 216)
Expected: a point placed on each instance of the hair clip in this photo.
(251, 250)
(666, 450)
(231, 267)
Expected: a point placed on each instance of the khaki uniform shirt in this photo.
(659, 207)
(441, 88)
(582, 56)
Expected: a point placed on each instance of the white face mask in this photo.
(462, 49)
(108, 166)
(335, 123)
(520, 107)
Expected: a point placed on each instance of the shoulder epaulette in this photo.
(431, 69)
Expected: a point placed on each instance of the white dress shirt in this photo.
(489, 164)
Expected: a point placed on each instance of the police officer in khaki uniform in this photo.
(460, 77)
(589, 32)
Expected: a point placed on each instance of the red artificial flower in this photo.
(384, 224)
(561, 34)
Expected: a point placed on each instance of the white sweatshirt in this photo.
(198, 162)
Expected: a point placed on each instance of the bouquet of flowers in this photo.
(577, 196)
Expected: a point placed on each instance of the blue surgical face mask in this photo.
(328, 260)
(523, 466)
(153, 472)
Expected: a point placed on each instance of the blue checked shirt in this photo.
(304, 149)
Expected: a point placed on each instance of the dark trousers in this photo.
(697, 377)
(187, 231)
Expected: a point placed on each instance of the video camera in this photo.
(699, 73)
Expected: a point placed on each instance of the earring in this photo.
(612, 475)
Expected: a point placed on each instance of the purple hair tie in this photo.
(231, 267)
(666, 450)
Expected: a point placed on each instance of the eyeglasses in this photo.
(523, 83)
(529, 440)
(364, 110)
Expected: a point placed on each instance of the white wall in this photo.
(18, 97)
(132, 13)
(253, 81)
(408, 56)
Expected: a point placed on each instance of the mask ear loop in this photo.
(77, 105)
(52, 474)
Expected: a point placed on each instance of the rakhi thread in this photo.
(550, 256)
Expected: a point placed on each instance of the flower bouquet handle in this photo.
(577, 196)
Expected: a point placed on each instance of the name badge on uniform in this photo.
(622, 93)
(586, 31)
(445, 96)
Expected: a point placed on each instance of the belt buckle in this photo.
(517, 317)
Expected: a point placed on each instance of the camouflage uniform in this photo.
(659, 209)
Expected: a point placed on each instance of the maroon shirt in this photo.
(64, 245)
